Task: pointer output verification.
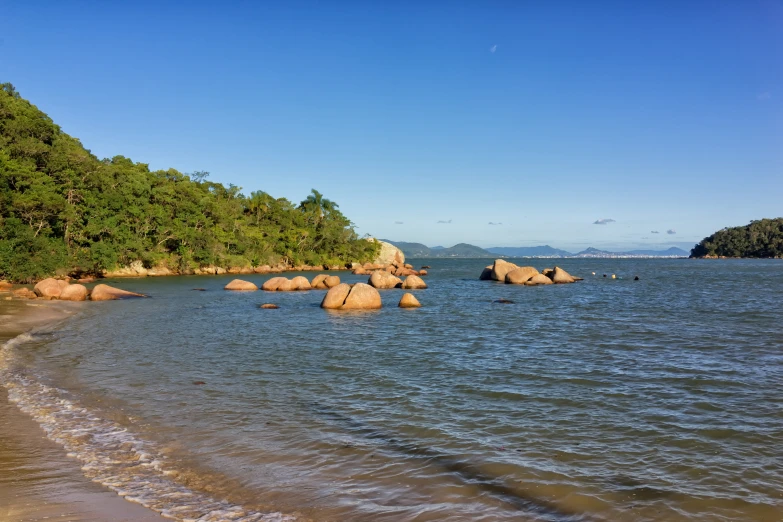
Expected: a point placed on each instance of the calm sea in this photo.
(615, 400)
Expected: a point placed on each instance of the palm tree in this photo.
(318, 205)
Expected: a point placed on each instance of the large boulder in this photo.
(413, 282)
(538, 279)
(288, 285)
(362, 297)
(501, 268)
(301, 283)
(240, 285)
(409, 301)
(335, 297)
(332, 281)
(263, 269)
(50, 288)
(560, 276)
(486, 274)
(109, 293)
(319, 282)
(74, 293)
(383, 279)
(272, 284)
(389, 254)
(520, 275)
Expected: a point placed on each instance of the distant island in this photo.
(63, 211)
(464, 250)
(762, 238)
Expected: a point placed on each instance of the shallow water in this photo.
(657, 399)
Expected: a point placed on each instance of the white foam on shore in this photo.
(113, 456)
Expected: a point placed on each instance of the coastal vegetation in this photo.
(762, 238)
(65, 211)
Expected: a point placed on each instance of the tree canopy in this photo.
(761, 238)
(64, 210)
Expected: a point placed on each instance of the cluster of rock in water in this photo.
(512, 274)
(62, 290)
(341, 296)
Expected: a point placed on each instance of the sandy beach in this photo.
(37, 480)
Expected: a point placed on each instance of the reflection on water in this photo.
(656, 399)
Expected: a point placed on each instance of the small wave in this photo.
(113, 456)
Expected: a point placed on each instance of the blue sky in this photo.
(543, 116)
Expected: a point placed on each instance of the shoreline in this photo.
(38, 480)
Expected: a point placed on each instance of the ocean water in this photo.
(615, 400)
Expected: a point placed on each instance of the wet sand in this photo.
(37, 480)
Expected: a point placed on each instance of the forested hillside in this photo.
(761, 238)
(64, 210)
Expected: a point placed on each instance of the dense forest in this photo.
(62, 210)
(762, 238)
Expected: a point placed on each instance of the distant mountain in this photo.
(460, 250)
(594, 252)
(535, 251)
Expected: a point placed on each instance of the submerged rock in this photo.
(408, 300)
(109, 293)
(413, 282)
(240, 285)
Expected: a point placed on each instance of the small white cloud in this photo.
(604, 221)
(766, 95)
(399, 223)
(654, 232)
(445, 222)
(492, 223)
(493, 49)
(671, 231)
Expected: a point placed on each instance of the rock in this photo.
(240, 285)
(335, 297)
(486, 274)
(408, 266)
(287, 285)
(423, 272)
(539, 279)
(504, 301)
(5, 286)
(332, 281)
(362, 297)
(268, 306)
(382, 279)
(547, 272)
(199, 289)
(425, 266)
(361, 271)
(319, 282)
(388, 254)
(413, 282)
(74, 293)
(501, 268)
(409, 301)
(24, 293)
(520, 275)
(49, 288)
(109, 293)
(86, 280)
(578, 278)
(272, 284)
(636, 278)
(560, 276)
(159, 271)
(135, 269)
(301, 283)
(263, 269)
(246, 270)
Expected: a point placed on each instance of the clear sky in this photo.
(546, 117)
